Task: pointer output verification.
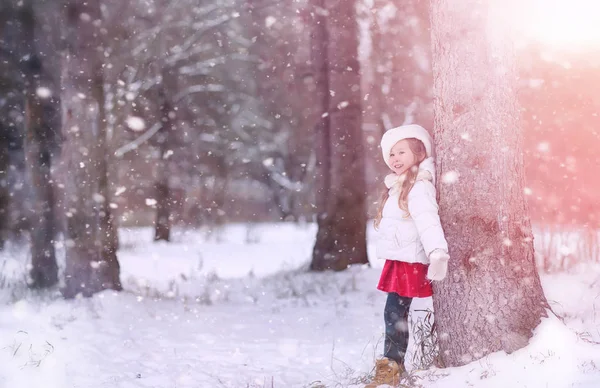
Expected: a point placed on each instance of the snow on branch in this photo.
(200, 28)
(198, 89)
(202, 67)
(187, 53)
(206, 25)
(284, 181)
(139, 141)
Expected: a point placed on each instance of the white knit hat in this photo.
(394, 135)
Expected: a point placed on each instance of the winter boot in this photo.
(387, 371)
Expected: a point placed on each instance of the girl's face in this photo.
(401, 157)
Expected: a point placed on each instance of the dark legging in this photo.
(396, 326)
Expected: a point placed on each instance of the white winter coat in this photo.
(411, 239)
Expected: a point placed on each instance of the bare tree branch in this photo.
(198, 89)
(139, 141)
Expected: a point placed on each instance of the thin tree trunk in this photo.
(91, 262)
(320, 62)
(162, 225)
(341, 237)
(42, 114)
(107, 236)
(4, 186)
(492, 298)
(219, 194)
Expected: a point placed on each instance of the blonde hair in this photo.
(420, 153)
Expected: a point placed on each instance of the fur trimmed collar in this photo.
(426, 173)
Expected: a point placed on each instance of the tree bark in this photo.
(492, 298)
(341, 236)
(91, 261)
(42, 120)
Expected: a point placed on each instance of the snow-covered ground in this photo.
(237, 309)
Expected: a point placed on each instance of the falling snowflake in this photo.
(343, 104)
(43, 92)
(450, 177)
(136, 123)
(95, 264)
(98, 198)
(270, 21)
(543, 146)
(535, 83)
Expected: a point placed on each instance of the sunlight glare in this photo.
(564, 23)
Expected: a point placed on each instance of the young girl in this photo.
(410, 239)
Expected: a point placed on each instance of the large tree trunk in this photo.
(341, 237)
(42, 123)
(91, 262)
(492, 298)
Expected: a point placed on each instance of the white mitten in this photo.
(438, 266)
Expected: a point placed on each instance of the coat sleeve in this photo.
(423, 209)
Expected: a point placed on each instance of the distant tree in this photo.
(281, 85)
(341, 192)
(91, 260)
(162, 224)
(13, 216)
(399, 79)
(42, 125)
(175, 71)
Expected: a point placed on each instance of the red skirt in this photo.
(405, 279)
